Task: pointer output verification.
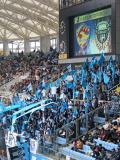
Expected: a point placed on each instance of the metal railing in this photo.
(118, 85)
(50, 152)
(73, 130)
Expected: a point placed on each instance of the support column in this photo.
(58, 42)
(5, 47)
(45, 43)
(77, 128)
(26, 46)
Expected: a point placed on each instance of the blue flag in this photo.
(46, 86)
(85, 95)
(69, 68)
(94, 76)
(38, 94)
(58, 83)
(1, 108)
(75, 78)
(106, 78)
(99, 75)
(29, 87)
(64, 77)
(111, 65)
(83, 79)
(93, 62)
(102, 59)
(51, 84)
(111, 59)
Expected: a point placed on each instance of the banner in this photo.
(10, 139)
(33, 146)
(53, 90)
(69, 78)
(19, 152)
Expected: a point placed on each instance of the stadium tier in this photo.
(60, 97)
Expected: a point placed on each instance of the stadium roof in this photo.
(21, 19)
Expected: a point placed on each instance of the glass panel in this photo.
(1, 46)
(10, 45)
(32, 44)
(53, 43)
(37, 43)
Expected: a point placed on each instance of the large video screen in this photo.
(92, 33)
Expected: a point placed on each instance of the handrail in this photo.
(100, 101)
(114, 87)
(74, 121)
(36, 109)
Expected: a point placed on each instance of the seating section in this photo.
(83, 101)
(101, 143)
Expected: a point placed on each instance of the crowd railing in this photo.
(87, 122)
(78, 127)
(106, 111)
(118, 85)
(50, 152)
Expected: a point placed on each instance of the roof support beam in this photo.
(49, 3)
(26, 25)
(28, 18)
(11, 29)
(29, 15)
(36, 8)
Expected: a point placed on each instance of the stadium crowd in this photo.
(89, 82)
(18, 65)
(96, 139)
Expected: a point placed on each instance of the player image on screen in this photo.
(83, 35)
(92, 33)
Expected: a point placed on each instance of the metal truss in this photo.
(29, 18)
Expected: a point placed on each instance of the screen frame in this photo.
(87, 7)
(72, 32)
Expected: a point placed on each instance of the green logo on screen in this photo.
(102, 31)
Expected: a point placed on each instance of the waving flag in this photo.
(75, 78)
(106, 78)
(1, 108)
(29, 88)
(86, 93)
(51, 84)
(83, 79)
(102, 59)
(112, 67)
(85, 64)
(93, 62)
(99, 75)
(111, 59)
(57, 83)
(69, 68)
(38, 94)
(94, 76)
